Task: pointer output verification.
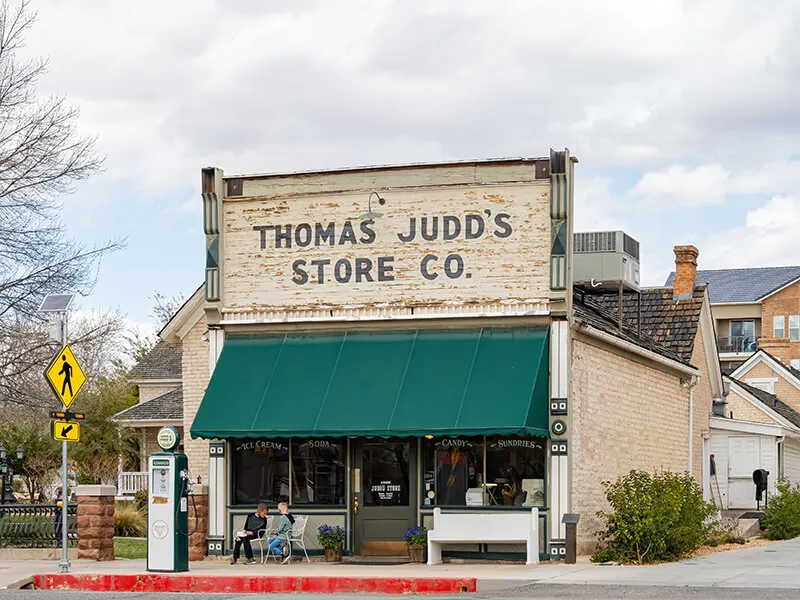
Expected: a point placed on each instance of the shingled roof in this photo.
(668, 322)
(744, 285)
(166, 407)
(596, 315)
(162, 362)
(783, 409)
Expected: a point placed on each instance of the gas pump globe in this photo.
(168, 506)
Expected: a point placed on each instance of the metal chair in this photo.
(263, 537)
(298, 537)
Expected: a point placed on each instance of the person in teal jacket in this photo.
(284, 532)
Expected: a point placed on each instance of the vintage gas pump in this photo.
(168, 506)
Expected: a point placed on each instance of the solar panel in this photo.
(56, 302)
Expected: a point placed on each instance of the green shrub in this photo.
(140, 501)
(128, 522)
(782, 521)
(653, 518)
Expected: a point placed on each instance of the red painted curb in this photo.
(257, 584)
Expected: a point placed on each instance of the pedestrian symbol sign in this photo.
(64, 431)
(65, 376)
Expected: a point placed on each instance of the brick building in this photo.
(355, 357)
(159, 376)
(755, 308)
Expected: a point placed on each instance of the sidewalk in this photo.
(775, 565)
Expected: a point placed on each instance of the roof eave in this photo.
(141, 423)
(171, 332)
(780, 289)
(643, 352)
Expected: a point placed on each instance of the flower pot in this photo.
(333, 554)
(417, 553)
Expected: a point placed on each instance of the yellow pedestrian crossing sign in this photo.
(64, 431)
(65, 376)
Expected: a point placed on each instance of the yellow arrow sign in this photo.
(65, 376)
(64, 431)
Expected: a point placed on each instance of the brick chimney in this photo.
(685, 271)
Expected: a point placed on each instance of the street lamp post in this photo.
(7, 468)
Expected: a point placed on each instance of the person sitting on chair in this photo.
(252, 526)
(284, 532)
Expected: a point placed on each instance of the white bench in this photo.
(484, 528)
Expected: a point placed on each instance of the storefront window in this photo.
(385, 472)
(318, 471)
(260, 471)
(515, 465)
(453, 472)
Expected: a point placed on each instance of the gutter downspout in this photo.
(691, 385)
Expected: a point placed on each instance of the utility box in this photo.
(606, 259)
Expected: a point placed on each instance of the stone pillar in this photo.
(197, 541)
(96, 521)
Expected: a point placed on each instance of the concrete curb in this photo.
(153, 582)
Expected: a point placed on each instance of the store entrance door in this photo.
(384, 489)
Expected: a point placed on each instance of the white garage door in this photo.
(744, 455)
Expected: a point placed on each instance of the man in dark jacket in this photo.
(253, 525)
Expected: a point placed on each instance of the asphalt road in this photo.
(557, 592)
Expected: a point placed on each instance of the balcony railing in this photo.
(131, 482)
(739, 344)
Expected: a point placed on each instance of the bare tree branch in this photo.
(42, 157)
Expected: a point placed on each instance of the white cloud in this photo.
(699, 97)
(768, 237)
(679, 186)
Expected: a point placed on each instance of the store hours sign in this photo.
(421, 248)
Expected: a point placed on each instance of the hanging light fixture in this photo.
(369, 214)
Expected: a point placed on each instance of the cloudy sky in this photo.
(683, 114)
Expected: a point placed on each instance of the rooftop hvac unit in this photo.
(604, 259)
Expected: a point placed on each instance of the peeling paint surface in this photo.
(483, 246)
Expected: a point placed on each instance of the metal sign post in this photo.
(72, 378)
(64, 562)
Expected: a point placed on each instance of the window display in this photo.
(498, 471)
(452, 467)
(260, 471)
(318, 471)
(516, 466)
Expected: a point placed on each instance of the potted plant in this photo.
(417, 540)
(332, 540)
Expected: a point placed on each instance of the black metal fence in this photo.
(36, 525)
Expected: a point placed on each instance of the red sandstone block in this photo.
(91, 510)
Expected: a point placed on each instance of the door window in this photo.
(385, 467)
(743, 335)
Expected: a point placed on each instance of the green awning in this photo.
(379, 384)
